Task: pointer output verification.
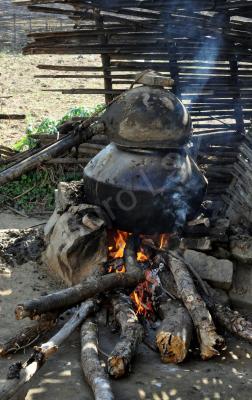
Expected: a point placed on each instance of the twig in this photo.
(16, 211)
(24, 193)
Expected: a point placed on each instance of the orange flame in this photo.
(164, 240)
(141, 257)
(116, 250)
(142, 295)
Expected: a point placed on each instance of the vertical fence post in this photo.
(105, 58)
(14, 33)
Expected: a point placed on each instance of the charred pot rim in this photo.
(148, 117)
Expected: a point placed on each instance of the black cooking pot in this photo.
(145, 191)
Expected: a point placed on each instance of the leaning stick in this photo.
(174, 335)
(83, 132)
(210, 341)
(23, 373)
(119, 361)
(92, 369)
(69, 297)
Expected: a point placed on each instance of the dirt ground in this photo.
(228, 377)
(28, 95)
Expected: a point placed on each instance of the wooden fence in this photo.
(205, 46)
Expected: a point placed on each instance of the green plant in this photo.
(35, 190)
(49, 126)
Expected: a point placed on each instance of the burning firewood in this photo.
(175, 333)
(119, 361)
(210, 341)
(69, 297)
(21, 373)
(92, 369)
(28, 335)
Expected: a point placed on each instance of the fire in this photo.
(116, 250)
(141, 257)
(142, 299)
(142, 295)
(162, 241)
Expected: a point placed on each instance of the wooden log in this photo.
(175, 333)
(210, 341)
(233, 321)
(68, 297)
(68, 161)
(28, 335)
(119, 361)
(24, 372)
(12, 116)
(92, 369)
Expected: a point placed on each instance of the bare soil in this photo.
(228, 377)
(29, 95)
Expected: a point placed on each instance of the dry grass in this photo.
(28, 95)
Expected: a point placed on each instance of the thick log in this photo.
(71, 296)
(23, 372)
(174, 335)
(92, 369)
(119, 361)
(28, 335)
(210, 341)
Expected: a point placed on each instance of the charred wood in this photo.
(233, 321)
(210, 341)
(174, 335)
(28, 335)
(119, 361)
(71, 296)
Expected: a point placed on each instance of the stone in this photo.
(218, 272)
(241, 248)
(50, 225)
(151, 78)
(69, 194)
(203, 243)
(77, 246)
(241, 292)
